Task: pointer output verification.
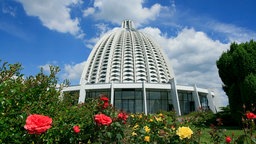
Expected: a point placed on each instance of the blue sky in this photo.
(193, 33)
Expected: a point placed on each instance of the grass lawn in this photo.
(227, 131)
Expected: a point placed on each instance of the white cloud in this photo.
(193, 57)
(232, 32)
(116, 11)
(73, 72)
(9, 10)
(54, 14)
(46, 68)
(88, 11)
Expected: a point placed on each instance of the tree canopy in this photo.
(237, 70)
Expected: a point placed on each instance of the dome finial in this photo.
(128, 24)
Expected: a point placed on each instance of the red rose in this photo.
(76, 129)
(122, 116)
(37, 124)
(102, 119)
(228, 139)
(104, 98)
(250, 115)
(105, 105)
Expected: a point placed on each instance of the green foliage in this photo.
(201, 118)
(38, 94)
(226, 116)
(237, 70)
(21, 96)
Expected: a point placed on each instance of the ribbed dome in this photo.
(126, 55)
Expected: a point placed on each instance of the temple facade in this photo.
(130, 68)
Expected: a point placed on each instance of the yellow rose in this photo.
(134, 134)
(184, 132)
(135, 127)
(147, 138)
(158, 119)
(147, 129)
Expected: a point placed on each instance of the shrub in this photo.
(226, 117)
(201, 118)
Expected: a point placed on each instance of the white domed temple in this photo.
(130, 68)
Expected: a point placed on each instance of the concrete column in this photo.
(112, 92)
(82, 94)
(175, 97)
(211, 101)
(144, 97)
(196, 98)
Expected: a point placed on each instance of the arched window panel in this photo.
(128, 79)
(141, 79)
(141, 75)
(128, 59)
(128, 70)
(114, 79)
(128, 62)
(92, 82)
(102, 80)
(163, 77)
(115, 75)
(128, 74)
(128, 53)
(140, 66)
(154, 80)
(140, 71)
(153, 75)
(128, 56)
(138, 56)
(116, 63)
(103, 71)
(102, 75)
(151, 68)
(116, 67)
(115, 71)
(128, 65)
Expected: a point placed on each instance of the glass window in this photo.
(157, 100)
(203, 101)
(97, 93)
(187, 103)
(129, 100)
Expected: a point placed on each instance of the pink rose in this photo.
(37, 124)
(102, 119)
(76, 129)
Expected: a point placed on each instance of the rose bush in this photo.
(75, 123)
